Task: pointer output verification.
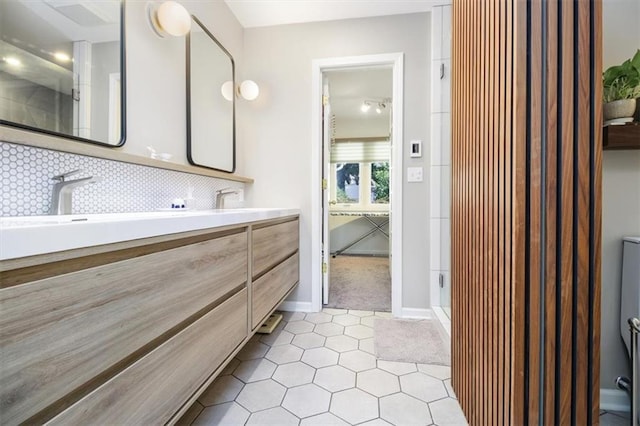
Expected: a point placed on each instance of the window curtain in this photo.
(360, 152)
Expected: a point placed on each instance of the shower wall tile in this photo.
(26, 184)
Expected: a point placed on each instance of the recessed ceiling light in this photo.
(13, 61)
(61, 56)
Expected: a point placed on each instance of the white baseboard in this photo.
(294, 306)
(417, 313)
(614, 400)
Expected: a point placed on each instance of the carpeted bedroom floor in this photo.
(360, 282)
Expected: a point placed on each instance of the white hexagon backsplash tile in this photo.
(122, 187)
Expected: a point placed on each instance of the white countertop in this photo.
(33, 235)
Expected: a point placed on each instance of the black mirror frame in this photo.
(233, 79)
(123, 103)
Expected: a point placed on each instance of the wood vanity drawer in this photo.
(153, 389)
(57, 334)
(272, 244)
(270, 288)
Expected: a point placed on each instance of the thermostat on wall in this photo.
(415, 148)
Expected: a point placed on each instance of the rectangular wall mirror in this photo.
(62, 68)
(210, 101)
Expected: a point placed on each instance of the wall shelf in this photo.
(621, 137)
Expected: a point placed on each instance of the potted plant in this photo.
(621, 85)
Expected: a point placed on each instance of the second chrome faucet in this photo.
(62, 195)
(222, 193)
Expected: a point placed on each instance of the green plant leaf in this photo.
(635, 61)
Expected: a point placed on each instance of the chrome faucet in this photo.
(61, 197)
(222, 193)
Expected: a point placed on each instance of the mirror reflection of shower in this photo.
(60, 67)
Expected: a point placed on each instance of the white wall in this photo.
(276, 130)
(156, 77)
(620, 194)
(346, 229)
(621, 30)
(353, 128)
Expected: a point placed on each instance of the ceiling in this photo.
(261, 13)
(349, 88)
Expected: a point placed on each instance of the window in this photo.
(380, 183)
(360, 185)
(347, 183)
(359, 176)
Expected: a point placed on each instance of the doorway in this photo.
(357, 114)
(322, 191)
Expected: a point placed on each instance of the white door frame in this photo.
(396, 60)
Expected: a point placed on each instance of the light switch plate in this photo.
(414, 174)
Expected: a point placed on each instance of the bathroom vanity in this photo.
(132, 331)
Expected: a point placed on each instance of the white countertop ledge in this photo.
(33, 235)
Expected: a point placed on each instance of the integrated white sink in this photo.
(33, 235)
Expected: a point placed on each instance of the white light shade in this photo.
(249, 90)
(365, 107)
(227, 90)
(173, 19)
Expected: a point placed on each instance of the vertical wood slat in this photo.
(566, 243)
(526, 159)
(596, 199)
(550, 206)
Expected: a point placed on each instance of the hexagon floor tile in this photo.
(306, 400)
(230, 413)
(354, 406)
(447, 412)
(397, 368)
(346, 319)
(341, 343)
(357, 361)
(423, 387)
(308, 340)
(335, 378)
(320, 357)
(377, 382)
(254, 370)
(318, 317)
(359, 331)
(401, 409)
(284, 354)
(259, 396)
(294, 374)
(252, 350)
(223, 389)
(273, 416)
(329, 329)
(310, 372)
(298, 327)
(277, 337)
(324, 419)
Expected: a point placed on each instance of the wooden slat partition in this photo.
(526, 177)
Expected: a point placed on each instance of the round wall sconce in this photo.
(169, 18)
(249, 90)
(227, 90)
